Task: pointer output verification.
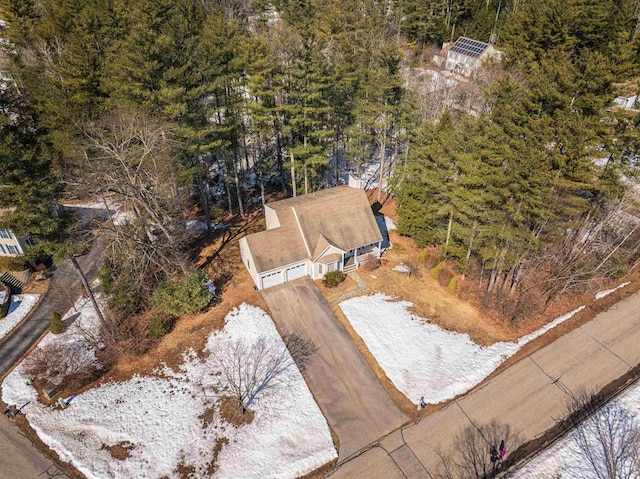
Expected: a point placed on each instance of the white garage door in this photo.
(272, 279)
(296, 272)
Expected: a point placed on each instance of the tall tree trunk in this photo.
(383, 154)
(293, 175)
(228, 187)
(203, 194)
(468, 256)
(446, 243)
(105, 326)
(279, 160)
(236, 166)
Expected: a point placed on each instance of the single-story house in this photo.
(465, 56)
(310, 235)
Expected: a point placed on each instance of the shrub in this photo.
(187, 296)
(464, 292)
(435, 273)
(413, 269)
(452, 287)
(423, 255)
(13, 263)
(160, 325)
(371, 262)
(445, 276)
(430, 260)
(333, 278)
(57, 326)
(58, 364)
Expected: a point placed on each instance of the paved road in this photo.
(65, 287)
(19, 459)
(352, 399)
(529, 396)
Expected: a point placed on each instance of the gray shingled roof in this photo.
(339, 216)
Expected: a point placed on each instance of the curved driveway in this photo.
(65, 287)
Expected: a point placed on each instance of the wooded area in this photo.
(167, 104)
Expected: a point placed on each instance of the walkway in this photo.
(356, 406)
(350, 294)
(64, 289)
(529, 396)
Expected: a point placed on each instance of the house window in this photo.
(5, 234)
(12, 249)
(331, 267)
(2, 249)
(320, 268)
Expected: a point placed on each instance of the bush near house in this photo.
(186, 296)
(371, 262)
(430, 260)
(435, 273)
(160, 325)
(452, 287)
(333, 279)
(57, 326)
(13, 263)
(445, 276)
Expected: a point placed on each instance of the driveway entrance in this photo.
(350, 396)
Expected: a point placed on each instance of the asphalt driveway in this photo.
(352, 399)
(65, 288)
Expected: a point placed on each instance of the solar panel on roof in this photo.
(468, 47)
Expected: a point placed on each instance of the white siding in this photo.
(247, 259)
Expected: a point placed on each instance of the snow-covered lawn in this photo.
(564, 459)
(160, 418)
(421, 358)
(20, 306)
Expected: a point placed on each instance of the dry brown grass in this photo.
(430, 299)
(231, 412)
(119, 451)
(343, 287)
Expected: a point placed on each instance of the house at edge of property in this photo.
(310, 235)
(10, 244)
(465, 56)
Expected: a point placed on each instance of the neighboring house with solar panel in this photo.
(465, 56)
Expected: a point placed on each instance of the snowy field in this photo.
(421, 358)
(20, 306)
(159, 418)
(564, 460)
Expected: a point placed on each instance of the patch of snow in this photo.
(563, 459)
(19, 307)
(391, 225)
(421, 358)
(402, 268)
(160, 416)
(539, 332)
(607, 292)
(198, 226)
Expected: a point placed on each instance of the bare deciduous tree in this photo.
(136, 159)
(252, 371)
(607, 440)
(469, 457)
